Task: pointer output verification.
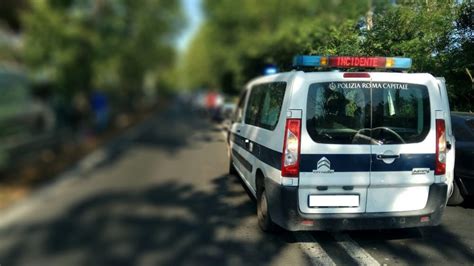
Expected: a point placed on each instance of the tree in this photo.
(108, 44)
(10, 13)
(437, 35)
(239, 38)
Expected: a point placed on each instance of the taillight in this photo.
(440, 168)
(356, 75)
(290, 162)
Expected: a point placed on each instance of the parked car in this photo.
(228, 109)
(21, 113)
(463, 127)
(224, 112)
(23, 116)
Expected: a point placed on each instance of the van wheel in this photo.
(456, 198)
(264, 220)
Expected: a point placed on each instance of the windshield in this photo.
(342, 113)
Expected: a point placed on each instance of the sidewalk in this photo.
(43, 164)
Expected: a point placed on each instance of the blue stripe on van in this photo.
(341, 162)
(361, 162)
(406, 162)
(338, 162)
(246, 164)
(264, 154)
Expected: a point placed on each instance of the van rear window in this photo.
(345, 113)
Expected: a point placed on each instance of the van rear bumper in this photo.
(284, 211)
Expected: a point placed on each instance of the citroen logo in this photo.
(323, 166)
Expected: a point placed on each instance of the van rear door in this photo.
(335, 149)
(403, 143)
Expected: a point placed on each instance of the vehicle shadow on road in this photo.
(169, 224)
(468, 203)
(417, 245)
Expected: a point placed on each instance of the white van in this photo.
(338, 150)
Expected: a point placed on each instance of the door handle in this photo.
(387, 156)
(247, 144)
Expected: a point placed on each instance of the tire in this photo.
(264, 220)
(456, 198)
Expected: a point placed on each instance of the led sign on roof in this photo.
(352, 62)
(356, 61)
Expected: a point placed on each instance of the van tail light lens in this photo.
(356, 75)
(440, 168)
(290, 161)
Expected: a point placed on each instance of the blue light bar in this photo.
(307, 61)
(346, 62)
(400, 63)
(270, 70)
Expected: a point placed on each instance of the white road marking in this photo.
(312, 249)
(361, 256)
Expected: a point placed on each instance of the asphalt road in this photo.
(160, 195)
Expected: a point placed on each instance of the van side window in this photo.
(240, 107)
(253, 106)
(271, 105)
(264, 107)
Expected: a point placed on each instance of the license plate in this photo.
(334, 201)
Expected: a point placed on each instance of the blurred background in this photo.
(76, 73)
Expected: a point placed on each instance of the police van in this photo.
(334, 149)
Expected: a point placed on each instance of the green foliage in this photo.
(240, 37)
(437, 35)
(105, 44)
(460, 57)
(341, 40)
(415, 30)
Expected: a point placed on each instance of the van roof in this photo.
(334, 74)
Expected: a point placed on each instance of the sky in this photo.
(193, 11)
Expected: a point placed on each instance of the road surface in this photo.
(160, 195)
